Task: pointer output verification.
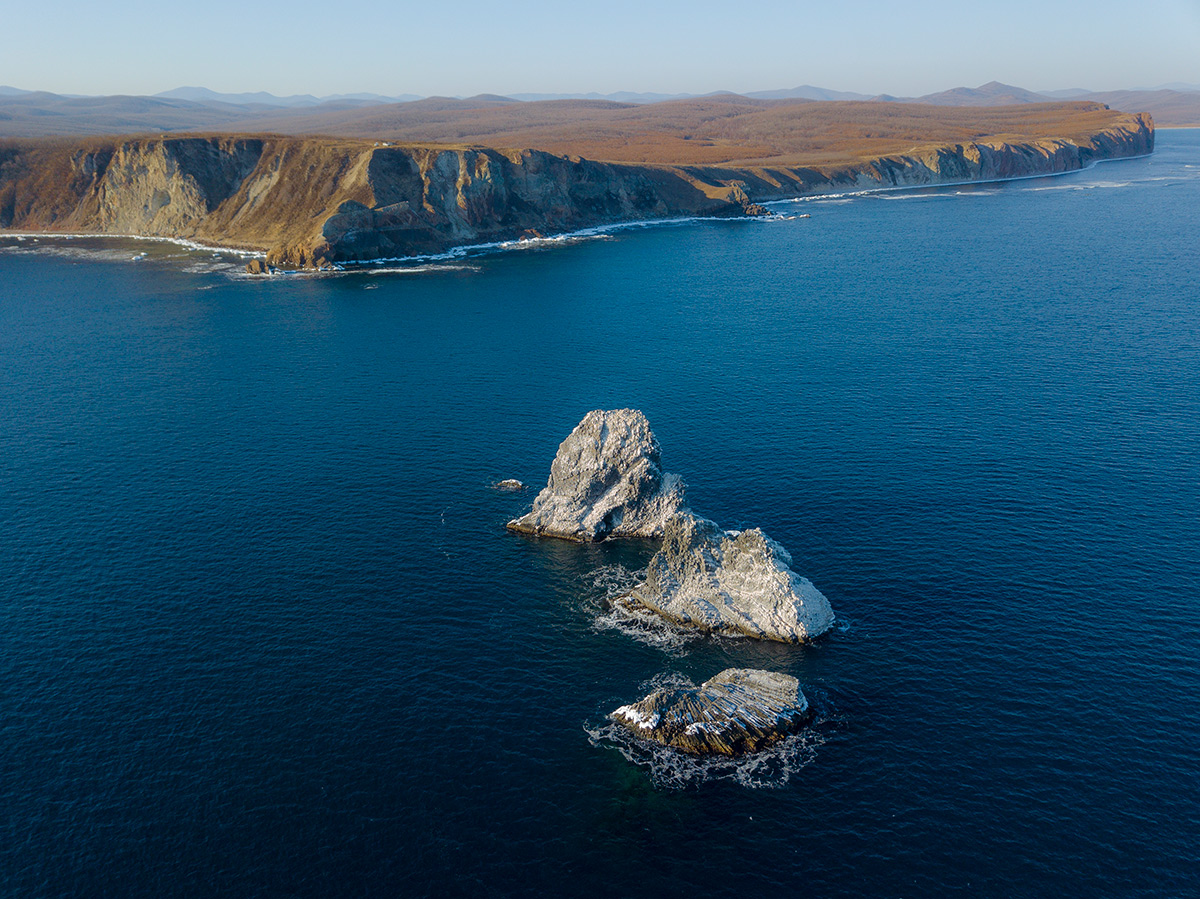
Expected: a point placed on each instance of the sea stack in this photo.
(508, 485)
(740, 710)
(730, 582)
(606, 481)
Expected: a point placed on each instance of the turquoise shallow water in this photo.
(264, 633)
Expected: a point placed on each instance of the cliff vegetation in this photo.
(312, 201)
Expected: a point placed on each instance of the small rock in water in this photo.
(730, 583)
(509, 485)
(605, 481)
(740, 710)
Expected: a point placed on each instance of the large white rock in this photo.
(730, 583)
(606, 481)
(740, 710)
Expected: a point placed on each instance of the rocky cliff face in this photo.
(308, 202)
(428, 199)
(606, 481)
(997, 160)
(730, 583)
(169, 187)
(1132, 135)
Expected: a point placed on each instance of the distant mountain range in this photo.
(38, 113)
(262, 98)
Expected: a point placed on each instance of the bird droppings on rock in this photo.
(606, 481)
(730, 582)
(739, 711)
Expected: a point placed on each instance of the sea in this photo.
(263, 631)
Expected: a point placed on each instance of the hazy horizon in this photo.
(670, 48)
(551, 94)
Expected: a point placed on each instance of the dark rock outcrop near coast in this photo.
(740, 710)
(310, 202)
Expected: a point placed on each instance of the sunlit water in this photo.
(264, 632)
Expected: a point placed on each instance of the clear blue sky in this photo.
(465, 47)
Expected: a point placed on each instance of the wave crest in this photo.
(609, 583)
(670, 769)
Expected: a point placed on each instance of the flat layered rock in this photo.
(606, 481)
(740, 710)
(730, 582)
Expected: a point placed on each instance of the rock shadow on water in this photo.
(583, 574)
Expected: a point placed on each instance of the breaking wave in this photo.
(609, 583)
(598, 232)
(35, 236)
(670, 769)
(1090, 185)
(358, 269)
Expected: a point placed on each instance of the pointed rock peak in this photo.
(606, 481)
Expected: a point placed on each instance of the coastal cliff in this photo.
(309, 202)
(994, 160)
(312, 202)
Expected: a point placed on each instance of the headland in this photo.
(465, 176)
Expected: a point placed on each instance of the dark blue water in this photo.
(263, 631)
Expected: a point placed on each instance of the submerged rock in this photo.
(740, 710)
(730, 583)
(606, 481)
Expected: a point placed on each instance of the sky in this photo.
(467, 47)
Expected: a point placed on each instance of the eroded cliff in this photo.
(985, 160)
(308, 202)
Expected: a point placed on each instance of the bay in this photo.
(262, 630)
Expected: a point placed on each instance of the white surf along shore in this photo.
(408, 264)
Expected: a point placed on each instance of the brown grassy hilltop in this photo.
(421, 177)
(725, 129)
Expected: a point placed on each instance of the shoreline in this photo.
(319, 204)
(463, 251)
(601, 230)
(898, 187)
(154, 238)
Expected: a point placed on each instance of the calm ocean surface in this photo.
(262, 631)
